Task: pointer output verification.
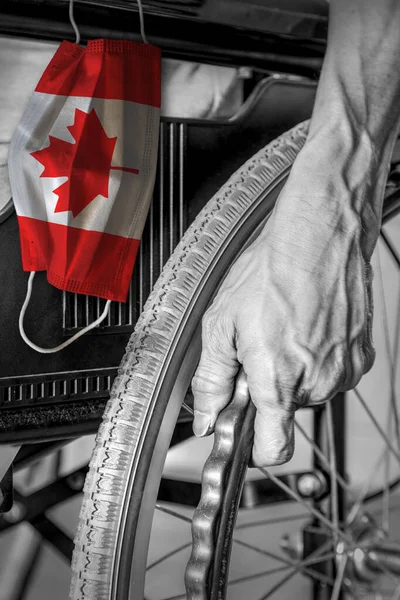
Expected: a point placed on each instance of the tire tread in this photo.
(130, 399)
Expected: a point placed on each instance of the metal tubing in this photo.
(188, 38)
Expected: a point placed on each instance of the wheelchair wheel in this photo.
(331, 547)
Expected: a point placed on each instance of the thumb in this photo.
(213, 382)
(274, 420)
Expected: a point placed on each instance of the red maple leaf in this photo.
(86, 163)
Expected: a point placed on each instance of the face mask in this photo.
(82, 165)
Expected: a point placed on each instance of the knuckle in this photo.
(212, 326)
(205, 385)
(340, 371)
(272, 455)
(218, 340)
(274, 436)
(360, 360)
(369, 358)
(208, 318)
(276, 386)
(212, 379)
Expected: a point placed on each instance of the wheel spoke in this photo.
(391, 248)
(396, 593)
(188, 408)
(167, 556)
(259, 575)
(364, 492)
(305, 563)
(389, 446)
(396, 349)
(298, 566)
(173, 513)
(388, 573)
(312, 529)
(286, 561)
(339, 577)
(378, 427)
(293, 572)
(386, 489)
(385, 323)
(321, 456)
(280, 584)
(317, 514)
(332, 467)
(270, 521)
(393, 416)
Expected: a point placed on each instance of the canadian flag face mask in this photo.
(82, 164)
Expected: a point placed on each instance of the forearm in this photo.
(360, 79)
(355, 121)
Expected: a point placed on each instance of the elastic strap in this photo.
(73, 22)
(76, 30)
(141, 17)
(67, 342)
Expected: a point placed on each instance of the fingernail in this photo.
(201, 424)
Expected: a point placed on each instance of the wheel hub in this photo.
(374, 555)
(371, 556)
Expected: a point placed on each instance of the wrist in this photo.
(341, 161)
(339, 178)
(344, 130)
(337, 162)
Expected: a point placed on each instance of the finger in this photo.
(273, 436)
(213, 382)
(274, 421)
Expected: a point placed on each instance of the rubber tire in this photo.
(120, 466)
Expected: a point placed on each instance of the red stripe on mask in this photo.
(109, 69)
(77, 260)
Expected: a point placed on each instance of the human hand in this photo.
(295, 309)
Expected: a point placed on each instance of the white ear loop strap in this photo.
(141, 17)
(67, 342)
(73, 22)
(76, 30)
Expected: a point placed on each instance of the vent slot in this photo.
(167, 214)
(58, 386)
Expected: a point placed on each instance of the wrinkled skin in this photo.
(295, 309)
